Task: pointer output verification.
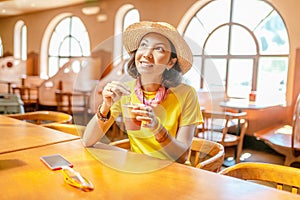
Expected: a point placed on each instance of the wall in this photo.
(98, 31)
(167, 10)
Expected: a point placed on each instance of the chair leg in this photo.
(290, 159)
(238, 154)
(243, 129)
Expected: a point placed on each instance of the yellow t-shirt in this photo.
(180, 108)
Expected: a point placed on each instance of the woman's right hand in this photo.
(113, 91)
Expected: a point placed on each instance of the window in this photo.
(20, 41)
(131, 17)
(24, 43)
(247, 53)
(69, 40)
(125, 16)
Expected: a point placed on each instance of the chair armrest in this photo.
(124, 143)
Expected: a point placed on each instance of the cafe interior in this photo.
(57, 56)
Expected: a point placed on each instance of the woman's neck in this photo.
(150, 84)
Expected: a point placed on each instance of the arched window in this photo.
(20, 40)
(125, 16)
(69, 40)
(248, 51)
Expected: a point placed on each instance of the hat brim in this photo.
(135, 32)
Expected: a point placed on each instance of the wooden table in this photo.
(18, 135)
(23, 175)
(241, 104)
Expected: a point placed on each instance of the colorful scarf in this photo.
(161, 94)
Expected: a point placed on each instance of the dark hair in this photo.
(170, 77)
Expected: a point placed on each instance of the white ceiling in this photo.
(18, 7)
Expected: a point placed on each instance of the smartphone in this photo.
(55, 161)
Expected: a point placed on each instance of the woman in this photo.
(169, 110)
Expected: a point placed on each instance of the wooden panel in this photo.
(33, 64)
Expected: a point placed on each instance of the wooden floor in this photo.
(251, 155)
(257, 151)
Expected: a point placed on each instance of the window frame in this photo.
(191, 14)
(71, 37)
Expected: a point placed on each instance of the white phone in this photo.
(55, 161)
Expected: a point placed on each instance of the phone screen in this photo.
(55, 161)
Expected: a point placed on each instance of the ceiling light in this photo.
(102, 18)
(92, 10)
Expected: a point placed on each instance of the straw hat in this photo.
(135, 32)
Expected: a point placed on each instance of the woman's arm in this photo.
(95, 130)
(177, 148)
(102, 121)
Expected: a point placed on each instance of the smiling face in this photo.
(153, 55)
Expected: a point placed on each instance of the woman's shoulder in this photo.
(183, 88)
(184, 94)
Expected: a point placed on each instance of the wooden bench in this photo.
(69, 89)
(279, 138)
(284, 138)
(12, 70)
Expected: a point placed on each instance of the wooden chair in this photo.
(124, 143)
(73, 129)
(216, 128)
(282, 177)
(43, 117)
(205, 154)
(284, 138)
(28, 91)
(30, 102)
(77, 103)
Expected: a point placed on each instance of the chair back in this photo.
(205, 154)
(226, 128)
(43, 117)
(296, 129)
(223, 121)
(284, 177)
